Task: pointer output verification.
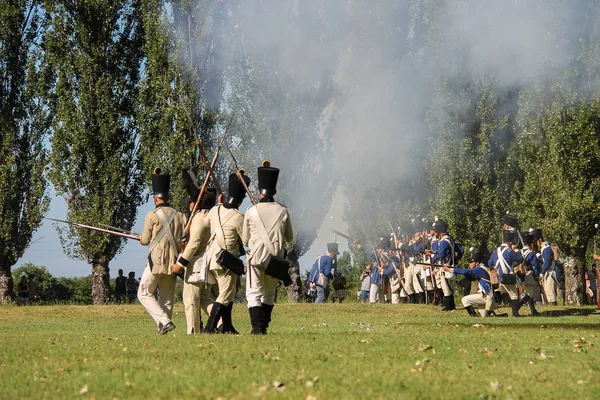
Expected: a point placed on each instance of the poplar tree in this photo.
(93, 54)
(23, 129)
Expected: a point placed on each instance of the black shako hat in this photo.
(161, 183)
(441, 226)
(236, 192)
(475, 256)
(537, 234)
(332, 248)
(208, 199)
(267, 179)
(508, 236)
(528, 237)
(510, 220)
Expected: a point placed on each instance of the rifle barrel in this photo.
(95, 228)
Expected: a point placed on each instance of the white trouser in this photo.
(395, 289)
(161, 310)
(196, 297)
(479, 301)
(550, 286)
(443, 282)
(376, 293)
(227, 283)
(260, 288)
(532, 287)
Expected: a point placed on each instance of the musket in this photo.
(203, 189)
(238, 173)
(201, 149)
(114, 228)
(94, 228)
(342, 235)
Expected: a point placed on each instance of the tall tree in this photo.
(23, 129)
(94, 50)
(180, 96)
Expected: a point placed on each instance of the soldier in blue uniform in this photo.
(321, 271)
(549, 279)
(504, 258)
(449, 253)
(483, 300)
(530, 279)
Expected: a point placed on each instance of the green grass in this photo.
(408, 351)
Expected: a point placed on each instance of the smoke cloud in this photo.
(380, 61)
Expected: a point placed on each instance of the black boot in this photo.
(257, 320)
(514, 305)
(404, 299)
(524, 300)
(268, 310)
(446, 303)
(422, 298)
(452, 303)
(213, 319)
(430, 296)
(440, 296)
(471, 311)
(534, 312)
(227, 326)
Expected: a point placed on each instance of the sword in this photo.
(94, 228)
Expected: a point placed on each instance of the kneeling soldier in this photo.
(483, 300)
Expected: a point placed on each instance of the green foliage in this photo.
(23, 129)
(39, 276)
(76, 290)
(92, 62)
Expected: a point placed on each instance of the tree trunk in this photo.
(294, 291)
(100, 282)
(574, 281)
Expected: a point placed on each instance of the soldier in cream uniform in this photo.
(225, 221)
(267, 221)
(161, 228)
(197, 289)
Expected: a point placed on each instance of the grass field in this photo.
(312, 351)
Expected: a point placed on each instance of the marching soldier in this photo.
(321, 271)
(197, 290)
(549, 279)
(161, 227)
(483, 300)
(503, 259)
(225, 221)
(267, 228)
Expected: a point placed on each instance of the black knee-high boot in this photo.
(213, 319)
(257, 320)
(430, 296)
(227, 326)
(514, 305)
(471, 311)
(440, 296)
(268, 310)
(534, 312)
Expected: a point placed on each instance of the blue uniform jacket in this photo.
(323, 267)
(390, 270)
(478, 274)
(444, 253)
(532, 260)
(548, 257)
(510, 256)
(375, 275)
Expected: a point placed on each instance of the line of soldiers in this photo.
(210, 263)
(423, 268)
